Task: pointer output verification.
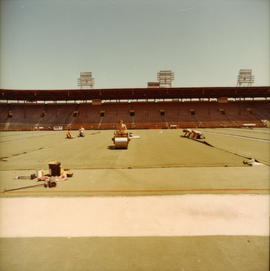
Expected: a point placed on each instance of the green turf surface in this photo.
(201, 253)
(246, 147)
(159, 181)
(154, 148)
(260, 133)
(159, 162)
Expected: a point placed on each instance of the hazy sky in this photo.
(45, 44)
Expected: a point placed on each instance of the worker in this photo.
(187, 132)
(81, 132)
(122, 129)
(68, 134)
(197, 135)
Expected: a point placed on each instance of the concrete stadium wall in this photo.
(144, 115)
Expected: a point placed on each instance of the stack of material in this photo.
(56, 174)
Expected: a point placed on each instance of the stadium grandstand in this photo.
(140, 108)
(152, 198)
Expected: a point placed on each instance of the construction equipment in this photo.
(20, 188)
(51, 182)
(67, 172)
(121, 140)
(55, 168)
(48, 183)
(28, 177)
(57, 174)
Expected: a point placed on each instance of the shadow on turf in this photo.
(198, 140)
(112, 147)
(210, 145)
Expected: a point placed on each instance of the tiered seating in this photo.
(56, 115)
(135, 115)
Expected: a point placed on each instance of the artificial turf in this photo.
(197, 253)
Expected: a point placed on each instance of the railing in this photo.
(148, 125)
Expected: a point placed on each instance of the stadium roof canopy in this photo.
(135, 93)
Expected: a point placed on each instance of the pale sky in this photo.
(45, 44)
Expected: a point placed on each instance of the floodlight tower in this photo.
(86, 80)
(245, 77)
(165, 78)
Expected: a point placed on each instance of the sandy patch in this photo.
(187, 215)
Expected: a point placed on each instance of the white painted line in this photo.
(239, 136)
(250, 130)
(182, 215)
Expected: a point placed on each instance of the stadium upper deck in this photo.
(141, 108)
(136, 93)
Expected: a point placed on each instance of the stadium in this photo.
(141, 108)
(165, 202)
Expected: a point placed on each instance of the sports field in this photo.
(223, 228)
(158, 162)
